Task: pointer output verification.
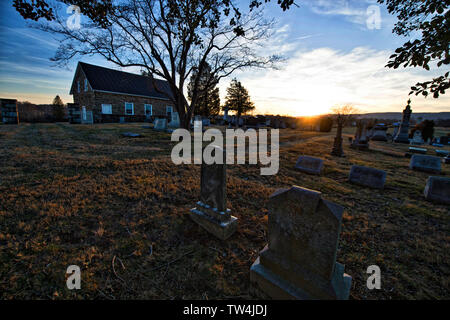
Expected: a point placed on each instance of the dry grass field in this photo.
(118, 208)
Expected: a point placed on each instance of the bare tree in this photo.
(342, 115)
(170, 39)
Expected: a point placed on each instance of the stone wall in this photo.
(118, 103)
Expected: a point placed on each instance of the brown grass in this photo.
(84, 195)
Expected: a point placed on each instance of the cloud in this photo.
(313, 81)
(34, 35)
(353, 11)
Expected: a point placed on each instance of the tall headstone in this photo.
(361, 141)
(211, 212)
(403, 132)
(225, 114)
(300, 260)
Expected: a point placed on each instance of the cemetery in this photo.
(217, 152)
(144, 228)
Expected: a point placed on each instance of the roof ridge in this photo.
(118, 81)
(134, 74)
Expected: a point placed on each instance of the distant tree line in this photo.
(34, 113)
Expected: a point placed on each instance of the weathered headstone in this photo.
(437, 189)
(211, 212)
(446, 160)
(403, 132)
(417, 138)
(309, 164)
(89, 118)
(175, 120)
(160, 124)
(368, 177)
(425, 163)
(441, 153)
(379, 133)
(361, 141)
(300, 260)
(225, 113)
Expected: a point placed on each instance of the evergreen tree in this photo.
(58, 109)
(208, 100)
(238, 99)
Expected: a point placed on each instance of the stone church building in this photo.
(108, 95)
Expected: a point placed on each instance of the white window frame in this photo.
(107, 104)
(132, 109)
(151, 109)
(86, 88)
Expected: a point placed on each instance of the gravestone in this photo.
(361, 141)
(437, 190)
(211, 212)
(225, 114)
(446, 160)
(300, 260)
(417, 150)
(175, 120)
(441, 153)
(403, 132)
(368, 177)
(160, 124)
(417, 138)
(309, 165)
(89, 118)
(425, 163)
(131, 135)
(379, 133)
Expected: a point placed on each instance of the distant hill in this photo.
(414, 115)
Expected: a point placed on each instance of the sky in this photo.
(335, 53)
